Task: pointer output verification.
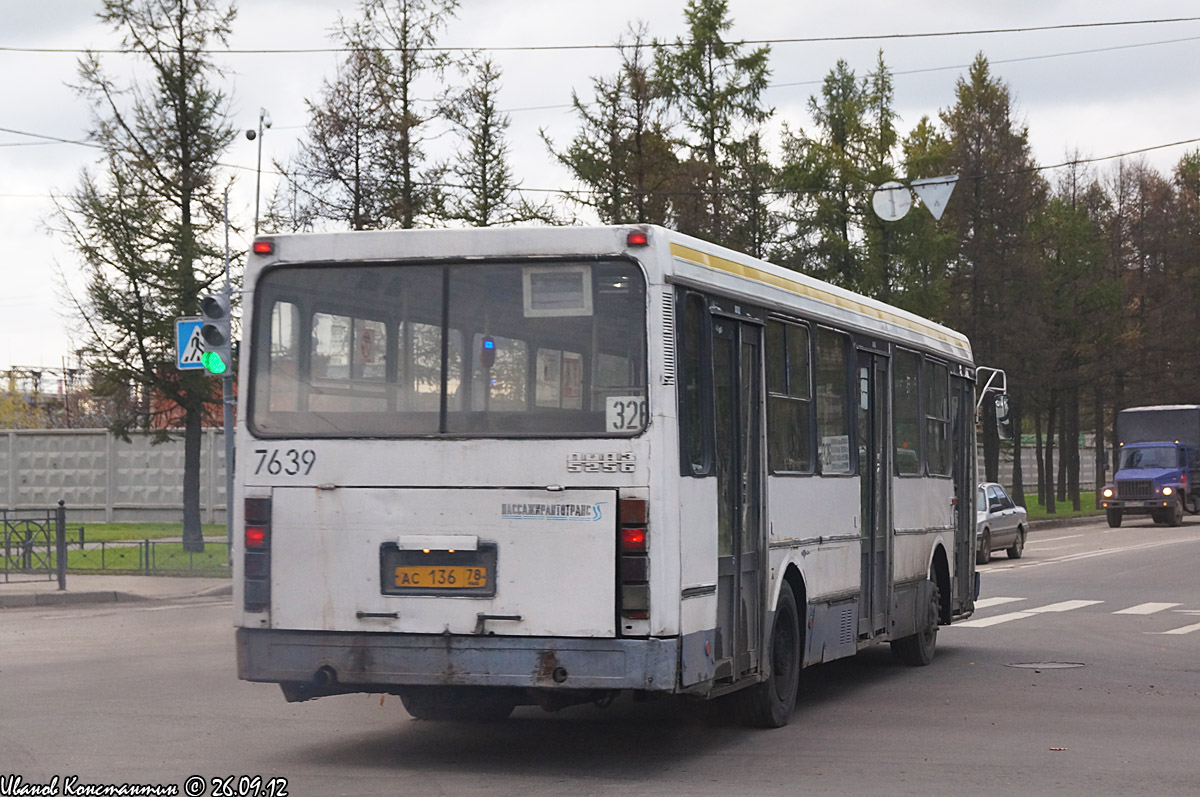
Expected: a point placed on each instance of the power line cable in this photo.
(922, 70)
(615, 46)
(993, 62)
(817, 82)
(1031, 169)
(47, 139)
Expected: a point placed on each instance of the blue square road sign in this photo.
(188, 346)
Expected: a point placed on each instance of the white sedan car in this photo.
(999, 524)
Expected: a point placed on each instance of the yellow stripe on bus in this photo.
(818, 294)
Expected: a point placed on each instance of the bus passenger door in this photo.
(875, 478)
(962, 447)
(737, 377)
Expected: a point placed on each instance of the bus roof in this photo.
(685, 260)
(780, 288)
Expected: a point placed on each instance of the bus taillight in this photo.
(633, 540)
(256, 556)
(633, 560)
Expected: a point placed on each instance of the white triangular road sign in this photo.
(935, 192)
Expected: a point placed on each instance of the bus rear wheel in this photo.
(769, 704)
(917, 650)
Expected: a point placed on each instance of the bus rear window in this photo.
(492, 350)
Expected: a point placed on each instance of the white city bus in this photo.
(499, 467)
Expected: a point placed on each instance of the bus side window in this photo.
(695, 427)
(283, 373)
(906, 409)
(348, 349)
(789, 393)
(833, 429)
(937, 418)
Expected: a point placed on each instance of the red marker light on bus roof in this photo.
(264, 247)
(637, 238)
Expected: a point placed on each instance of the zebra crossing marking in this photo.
(1061, 606)
(1141, 609)
(1147, 608)
(984, 603)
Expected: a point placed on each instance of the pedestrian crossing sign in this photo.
(188, 346)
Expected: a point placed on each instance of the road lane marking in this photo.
(984, 603)
(1040, 542)
(1092, 554)
(1062, 606)
(107, 609)
(1147, 608)
(1187, 629)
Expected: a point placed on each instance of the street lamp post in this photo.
(264, 121)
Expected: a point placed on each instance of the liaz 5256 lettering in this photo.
(1158, 468)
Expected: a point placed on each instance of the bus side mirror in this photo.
(1004, 426)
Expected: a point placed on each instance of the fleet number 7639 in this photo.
(292, 462)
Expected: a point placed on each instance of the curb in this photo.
(33, 599)
(28, 600)
(1063, 523)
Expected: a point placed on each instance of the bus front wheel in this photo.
(1113, 516)
(769, 704)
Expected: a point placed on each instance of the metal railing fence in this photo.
(148, 557)
(34, 543)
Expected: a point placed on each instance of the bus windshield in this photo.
(545, 349)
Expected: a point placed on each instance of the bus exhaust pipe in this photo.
(325, 676)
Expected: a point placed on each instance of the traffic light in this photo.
(487, 354)
(215, 334)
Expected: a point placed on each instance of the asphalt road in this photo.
(1104, 625)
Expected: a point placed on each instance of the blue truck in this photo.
(1158, 467)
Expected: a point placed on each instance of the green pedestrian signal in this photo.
(215, 334)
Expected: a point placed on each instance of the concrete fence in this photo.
(1087, 465)
(104, 479)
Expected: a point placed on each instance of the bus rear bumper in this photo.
(348, 661)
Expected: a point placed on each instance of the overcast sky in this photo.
(1099, 90)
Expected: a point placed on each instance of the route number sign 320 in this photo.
(625, 413)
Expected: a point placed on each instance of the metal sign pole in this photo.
(227, 405)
